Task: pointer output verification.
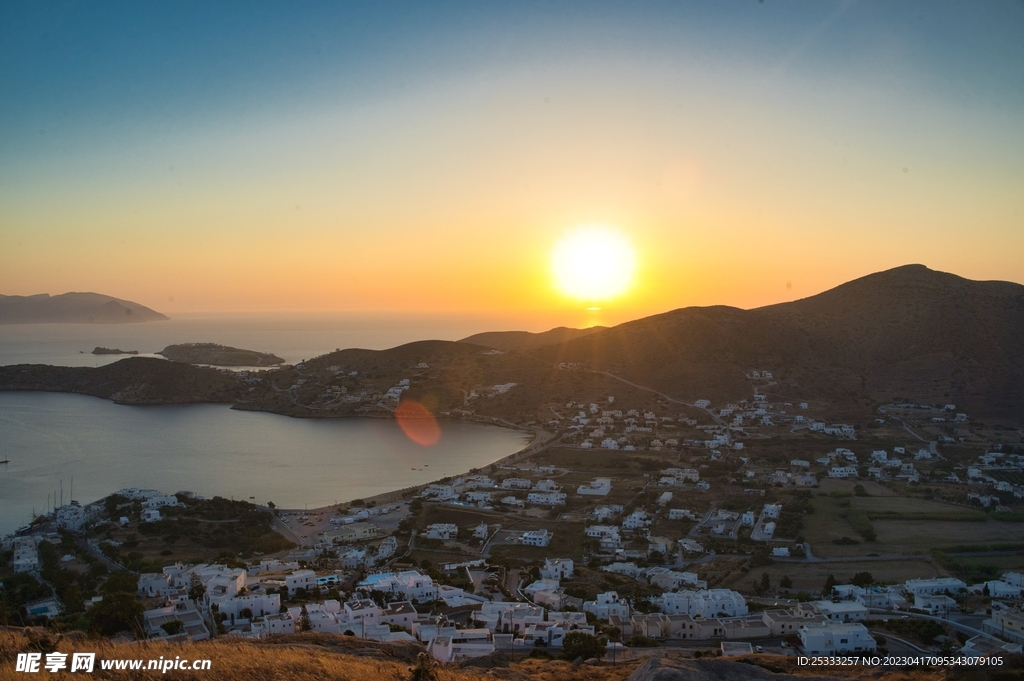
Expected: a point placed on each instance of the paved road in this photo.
(963, 628)
(660, 394)
(96, 553)
(289, 533)
(932, 445)
(852, 559)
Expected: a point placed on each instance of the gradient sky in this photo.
(427, 156)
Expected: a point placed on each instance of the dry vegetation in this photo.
(302, 657)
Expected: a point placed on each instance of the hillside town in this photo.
(632, 549)
(643, 525)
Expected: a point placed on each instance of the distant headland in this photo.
(74, 308)
(218, 355)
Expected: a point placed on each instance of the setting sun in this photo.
(593, 263)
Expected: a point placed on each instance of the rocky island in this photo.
(218, 355)
(100, 350)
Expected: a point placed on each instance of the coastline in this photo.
(541, 440)
(525, 447)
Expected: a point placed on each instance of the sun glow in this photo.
(593, 263)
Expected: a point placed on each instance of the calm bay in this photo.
(211, 450)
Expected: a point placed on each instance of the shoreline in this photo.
(541, 440)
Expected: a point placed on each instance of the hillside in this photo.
(218, 355)
(909, 333)
(136, 380)
(73, 308)
(516, 341)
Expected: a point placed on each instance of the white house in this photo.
(152, 584)
(536, 538)
(516, 483)
(256, 606)
(843, 611)
(834, 638)
(636, 520)
(627, 569)
(708, 603)
(935, 604)
(546, 498)
(669, 580)
(607, 605)
(557, 568)
(599, 487)
(160, 501)
(936, 585)
(300, 579)
(602, 513)
(444, 531)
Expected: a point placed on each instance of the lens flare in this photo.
(418, 424)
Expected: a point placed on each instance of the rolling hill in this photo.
(906, 334)
(909, 332)
(514, 341)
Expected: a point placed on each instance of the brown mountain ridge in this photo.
(906, 334)
(909, 332)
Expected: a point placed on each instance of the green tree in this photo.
(122, 581)
(196, 588)
(578, 644)
(786, 582)
(117, 612)
(862, 579)
(304, 622)
(830, 582)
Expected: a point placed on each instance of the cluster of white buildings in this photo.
(481, 491)
(26, 553)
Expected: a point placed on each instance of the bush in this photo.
(638, 641)
(173, 627)
(577, 644)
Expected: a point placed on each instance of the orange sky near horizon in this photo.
(773, 153)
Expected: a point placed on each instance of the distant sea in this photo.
(291, 336)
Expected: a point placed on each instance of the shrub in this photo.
(577, 644)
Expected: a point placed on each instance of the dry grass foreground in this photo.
(302, 657)
(315, 657)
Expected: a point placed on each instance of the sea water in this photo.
(61, 440)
